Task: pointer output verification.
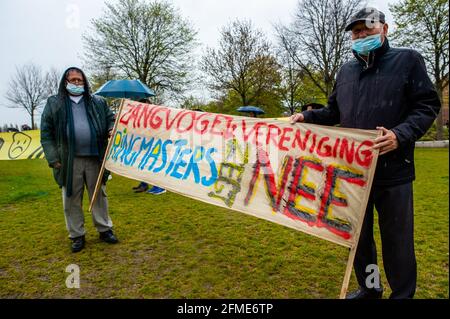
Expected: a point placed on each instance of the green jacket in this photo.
(54, 123)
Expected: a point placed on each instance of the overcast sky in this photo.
(48, 32)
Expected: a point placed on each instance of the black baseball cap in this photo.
(368, 14)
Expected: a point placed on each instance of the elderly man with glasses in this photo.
(75, 127)
(387, 89)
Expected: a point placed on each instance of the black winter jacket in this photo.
(392, 89)
(57, 146)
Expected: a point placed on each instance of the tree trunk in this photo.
(32, 120)
(328, 85)
(439, 119)
(243, 99)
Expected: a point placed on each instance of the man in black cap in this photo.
(387, 89)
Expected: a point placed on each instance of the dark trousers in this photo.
(394, 205)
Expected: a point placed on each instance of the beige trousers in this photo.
(85, 172)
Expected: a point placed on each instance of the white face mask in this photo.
(367, 44)
(75, 89)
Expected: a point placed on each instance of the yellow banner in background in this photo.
(27, 144)
(21, 145)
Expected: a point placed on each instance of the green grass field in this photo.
(175, 247)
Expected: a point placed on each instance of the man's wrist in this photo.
(397, 136)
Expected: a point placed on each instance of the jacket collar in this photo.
(373, 56)
(76, 99)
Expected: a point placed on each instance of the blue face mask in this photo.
(75, 89)
(369, 43)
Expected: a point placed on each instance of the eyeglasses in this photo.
(75, 81)
(367, 30)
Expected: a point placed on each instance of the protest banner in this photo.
(21, 145)
(312, 178)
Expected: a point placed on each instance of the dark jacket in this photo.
(392, 90)
(57, 145)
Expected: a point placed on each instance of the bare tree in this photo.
(317, 41)
(52, 79)
(149, 41)
(424, 25)
(27, 90)
(243, 63)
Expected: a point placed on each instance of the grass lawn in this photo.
(175, 247)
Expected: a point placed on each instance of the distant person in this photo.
(75, 127)
(25, 127)
(387, 89)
